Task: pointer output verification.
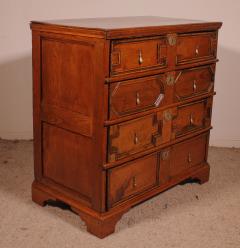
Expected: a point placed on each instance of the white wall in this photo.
(15, 54)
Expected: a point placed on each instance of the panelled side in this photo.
(69, 111)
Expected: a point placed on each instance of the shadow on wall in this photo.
(226, 119)
(16, 98)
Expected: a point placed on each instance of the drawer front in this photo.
(187, 154)
(196, 47)
(192, 117)
(137, 135)
(132, 178)
(137, 54)
(181, 157)
(193, 82)
(136, 95)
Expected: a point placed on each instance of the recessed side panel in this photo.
(67, 78)
(73, 109)
(66, 160)
(67, 84)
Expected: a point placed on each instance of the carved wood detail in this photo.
(184, 88)
(156, 132)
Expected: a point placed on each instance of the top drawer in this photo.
(143, 54)
(196, 47)
(138, 54)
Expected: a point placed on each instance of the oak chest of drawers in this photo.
(122, 111)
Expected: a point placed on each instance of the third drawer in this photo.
(135, 136)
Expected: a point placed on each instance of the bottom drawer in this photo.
(187, 154)
(156, 169)
(132, 178)
(183, 156)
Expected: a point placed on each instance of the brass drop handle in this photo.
(191, 119)
(197, 51)
(135, 139)
(140, 58)
(189, 158)
(194, 85)
(134, 183)
(138, 98)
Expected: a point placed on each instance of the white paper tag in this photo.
(159, 99)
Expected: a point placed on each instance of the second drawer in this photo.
(137, 95)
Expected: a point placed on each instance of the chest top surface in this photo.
(115, 27)
(108, 23)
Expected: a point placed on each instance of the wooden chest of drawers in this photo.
(122, 111)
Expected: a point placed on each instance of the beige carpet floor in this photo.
(185, 216)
